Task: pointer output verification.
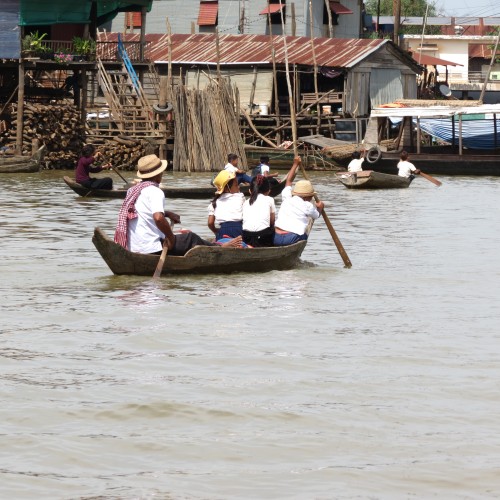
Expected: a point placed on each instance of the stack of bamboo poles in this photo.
(206, 127)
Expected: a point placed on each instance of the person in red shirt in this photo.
(84, 168)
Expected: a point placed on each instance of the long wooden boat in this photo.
(22, 164)
(198, 260)
(170, 192)
(368, 179)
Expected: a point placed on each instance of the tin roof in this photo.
(256, 49)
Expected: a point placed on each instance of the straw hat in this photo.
(150, 166)
(303, 189)
(221, 180)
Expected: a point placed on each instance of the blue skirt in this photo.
(230, 229)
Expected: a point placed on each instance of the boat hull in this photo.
(170, 192)
(22, 164)
(368, 179)
(443, 164)
(199, 260)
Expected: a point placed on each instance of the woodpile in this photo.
(206, 127)
(59, 127)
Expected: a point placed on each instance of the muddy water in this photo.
(379, 381)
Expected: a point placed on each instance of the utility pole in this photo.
(396, 12)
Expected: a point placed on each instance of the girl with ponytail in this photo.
(258, 214)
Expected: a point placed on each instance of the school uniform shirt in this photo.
(143, 235)
(294, 213)
(229, 208)
(405, 168)
(231, 168)
(355, 165)
(257, 216)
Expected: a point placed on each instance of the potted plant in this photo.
(32, 44)
(84, 48)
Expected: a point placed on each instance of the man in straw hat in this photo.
(142, 226)
(296, 209)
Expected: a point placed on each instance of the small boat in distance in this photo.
(198, 260)
(18, 164)
(170, 192)
(369, 179)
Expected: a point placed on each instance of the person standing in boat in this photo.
(232, 166)
(84, 168)
(142, 224)
(258, 214)
(356, 164)
(405, 168)
(297, 208)
(226, 209)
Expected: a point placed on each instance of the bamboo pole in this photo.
(20, 110)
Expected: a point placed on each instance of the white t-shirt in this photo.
(294, 212)
(355, 165)
(257, 216)
(231, 168)
(143, 235)
(229, 208)
(405, 168)
(264, 169)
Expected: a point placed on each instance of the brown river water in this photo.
(379, 381)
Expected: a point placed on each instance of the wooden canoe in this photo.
(199, 260)
(22, 164)
(369, 179)
(170, 192)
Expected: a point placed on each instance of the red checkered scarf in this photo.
(128, 211)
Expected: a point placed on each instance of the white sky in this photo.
(458, 8)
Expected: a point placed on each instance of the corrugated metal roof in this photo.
(208, 13)
(427, 60)
(246, 49)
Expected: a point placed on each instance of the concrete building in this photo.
(339, 19)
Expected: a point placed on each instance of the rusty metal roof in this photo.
(253, 49)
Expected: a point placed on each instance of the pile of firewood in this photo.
(59, 127)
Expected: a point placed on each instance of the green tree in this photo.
(409, 8)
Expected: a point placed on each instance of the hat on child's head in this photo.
(221, 180)
(303, 189)
(150, 166)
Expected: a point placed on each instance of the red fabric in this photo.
(128, 212)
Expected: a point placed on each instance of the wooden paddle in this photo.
(430, 178)
(163, 256)
(118, 173)
(335, 238)
(293, 119)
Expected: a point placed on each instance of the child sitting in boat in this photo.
(226, 209)
(296, 209)
(406, 168)
(84, 168)
(356, 164)
(259, 214)
(232, 166)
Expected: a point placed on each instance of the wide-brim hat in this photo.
(303, 189)
(222, 179)
(150, 166)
